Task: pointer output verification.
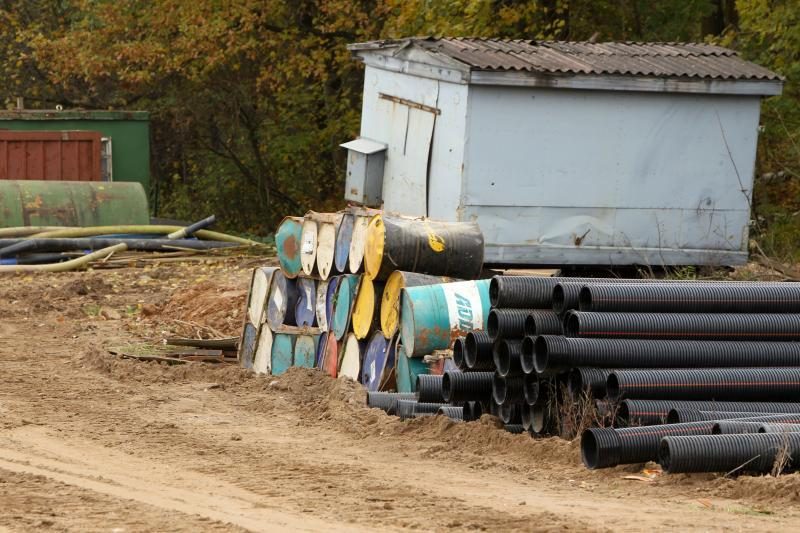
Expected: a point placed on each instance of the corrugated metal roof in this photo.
(666, 60)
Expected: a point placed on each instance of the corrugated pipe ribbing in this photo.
(507, 323)
(479, 353)
(755, 452)
(467, 386)
(647, 412)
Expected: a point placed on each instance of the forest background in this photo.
(250, 99)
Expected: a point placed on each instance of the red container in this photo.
(50, 155)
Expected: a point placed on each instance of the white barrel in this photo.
(308, 246)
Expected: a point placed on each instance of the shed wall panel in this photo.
(50, 155)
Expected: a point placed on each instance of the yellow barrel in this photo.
(368, 299)
(390, 300)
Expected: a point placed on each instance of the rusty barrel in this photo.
(366, 317)
(343, 304)
(305, 351)
(282, 301)
(262, 361)
(434, 315)
(305, 310)
(452, 249)
(344, 235)
(287, 245)
(351, 354)
(390, 300)
(282, 353)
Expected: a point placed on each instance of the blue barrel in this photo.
(247, 346)
(432, 316)
(343, 304)
(305, 312)
(305, 350)
(287, 244)
(282, 301)
(282, 353)
(330, 298)
(407, 370)
(344, 234)
(374, 361)
(321, 345)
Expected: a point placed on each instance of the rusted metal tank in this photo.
(71, 203)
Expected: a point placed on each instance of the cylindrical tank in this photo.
(72, 203)
(287, 244)
(390, 301)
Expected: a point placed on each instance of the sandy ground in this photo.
(90, 442)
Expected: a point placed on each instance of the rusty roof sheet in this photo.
(666, 60)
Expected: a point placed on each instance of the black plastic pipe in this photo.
(533, 292)
(508, 388)
(741, 384)
(648, 412)
(479, 353)
(691, 298)
(507, 355)
(528, 355)
(98, 243)
(735, 427)
(429, 388)
(459, 351)
(506, 323)
(383, 400)
(583, 381)
(696, 326)
(452, 412)
(677, 416)
(777, 427)
(507, 412)
(411, 408)
(516, 429)
(467, 386)
(543, 322)
(539, 419)
(531, 389)
(608, 447)
(552, 354)
(754, 453)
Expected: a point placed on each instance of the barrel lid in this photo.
(305, 348)
(374, 246)
(320, 358)
(259, 289)
(308, 246)
(351, 358)
(357, 243)
(344, 234)
(287, 244)
(330, 365)
(343, 307)
(390, 303)
(247, 347)
(364, 308)
(282, 296)
(330, 298)
(374, 361)
(321, 304)
(407, 323)
(305, 310)
(282, 353)
(262, 362)
(326, 248)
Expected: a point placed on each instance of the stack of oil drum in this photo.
(700, 376)
(363, 295)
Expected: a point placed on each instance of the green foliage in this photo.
(250, 98)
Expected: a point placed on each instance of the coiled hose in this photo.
(754, 452)
(608, 447)
(467, 386)
(648, 412)
(691, 298)
(479, 353)
(550, 354)
(543, 322)
(755, 384)
(697, 326)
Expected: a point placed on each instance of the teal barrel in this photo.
(343, 304)
(282, 353)
(432, 316)
(72, 203)
(305, 350)
(407, 369)
(287, 244)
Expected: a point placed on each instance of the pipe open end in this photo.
(502, 357)
(572, 324)
(538, 418)
(585, 299)
(716, 429)
(530, 388)
(612, 387)
(493, 324)
(446, 387)
(663, 454)
(575, 383)
(470, 350)
(673, 417)
(527, 355)
(530, 325)
(494, 291)
(499, 388)
(458, 353)
(541, 356)
(558, 298)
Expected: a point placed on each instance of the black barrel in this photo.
(735, 427)
(743, 384)
(777, 427)
(754, 452)
(506, 323)
(479, 353)
(695, 326)
(452, 249)
(531, 389)
(608, 447)
(467, 386)
(507, 355)
(452, 412)
(383, 400)
(543, 322)
(648, 412)
(459, 351)
(429, 388)
(552, 353)
(584, 381)
(514, 428)
(411, 408)
(508, 388)
(691, 298)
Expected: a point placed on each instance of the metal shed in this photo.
(571, 152)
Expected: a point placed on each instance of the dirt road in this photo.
(90, 442)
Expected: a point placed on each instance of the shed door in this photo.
(405, 181)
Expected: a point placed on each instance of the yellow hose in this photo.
(25, 231)
(72, 264)
(92, 231)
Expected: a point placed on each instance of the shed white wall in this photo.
(447, 144)
(594, 177)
